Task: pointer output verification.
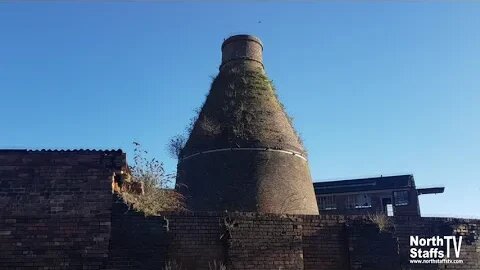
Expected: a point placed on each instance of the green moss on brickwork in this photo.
(242, 109)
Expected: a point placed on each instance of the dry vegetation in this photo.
(381, 220)
(158, 196)
(216, 266)
(173, 265)
(176, 145)
(242, 108)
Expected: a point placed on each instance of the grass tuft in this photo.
(157, 194)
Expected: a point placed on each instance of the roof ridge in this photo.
(378, 176)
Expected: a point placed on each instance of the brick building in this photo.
(243, 153)
(394, 195)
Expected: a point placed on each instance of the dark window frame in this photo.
(328, 202)
(353, 201)
(401, 197)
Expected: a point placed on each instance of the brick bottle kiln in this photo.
(243, 153)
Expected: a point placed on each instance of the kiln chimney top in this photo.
(244, 50)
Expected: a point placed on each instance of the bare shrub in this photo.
(158, 195)
(172, 266)
(175, 146)
(381, 220)
(193, 119)
(216, 266)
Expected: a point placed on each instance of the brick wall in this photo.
(57, 212)
(196, 239)
(55, 208)
(137, 242)
(324, 242)
(371, 247)
(192, 240)
(263, 242)
(428, 227)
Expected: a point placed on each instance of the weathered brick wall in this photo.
(371, 247)
(137, 242)
(55, 208)
(192, 240)
(53, 243)
(428, 227)
(196, 239)
(57, 212)
(325, 245)
(239, 240)
(263, 242)
(259, 241)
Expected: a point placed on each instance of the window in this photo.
(357, 201)
(389, 210)
(401, 197)
(328, 202)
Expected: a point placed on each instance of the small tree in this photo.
(158, 195)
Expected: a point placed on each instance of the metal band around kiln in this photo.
(289, 152)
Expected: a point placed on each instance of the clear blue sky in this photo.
(375, 88)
